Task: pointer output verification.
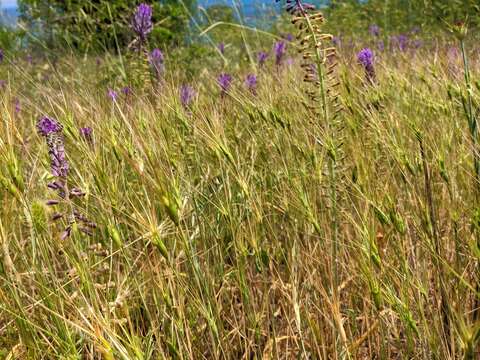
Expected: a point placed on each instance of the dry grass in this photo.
(214, 236)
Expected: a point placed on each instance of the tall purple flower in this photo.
(112, 94)
(262, 56)
(251, 83)
(280, 49)
(221, 48)
(87, 134)
(17, 106)
(157, 60)
(374, 30)
(142, 21)
(366, 58)
(127, 90)
(400, 41)
(51, 130)
(187, 94)
(224, 81)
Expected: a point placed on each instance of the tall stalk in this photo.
(471, 116)
(319, 63)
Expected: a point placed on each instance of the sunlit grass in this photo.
(213, 236)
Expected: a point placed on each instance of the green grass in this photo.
(214, 236)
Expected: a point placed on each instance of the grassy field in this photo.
(243, 226)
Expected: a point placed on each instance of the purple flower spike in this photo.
(224, 81)
(157, 61)
(280, 49)
(374, 30)
(187, 94)
(52, 131)
(400, 41)
(221, 48)
(112, 94)
(366, 58)
(261, 58)
(142, 21)
(1, 56)
(17, 106)
(251, 83)
(47, 126)
(127, 90)
(87, 133)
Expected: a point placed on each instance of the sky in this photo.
(8, 3)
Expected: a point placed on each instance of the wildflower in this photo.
(279, 48)
(126, 90)
(112, 94)
(221, 48)
(224, 81)
(17, 105)
(366, 58)
(251, 83)
(87, 133)
(374, 30)
(400, 41)
(157, 61)
(381, 45)
(142, 21)
(289, 37)
(1, 55)
(187, 94)
(262, 57)
(52, 131)
(417, 43)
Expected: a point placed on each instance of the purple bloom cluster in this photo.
(87, 134)
(251, 83)
(262, 57)
(374, 30)
(142, 21)
(18, 107)
(280, 49)
(400, 42)
(366, 58)
(187, 94)
(52, 131)
(224, 81)
(112, 94)
(157, 60)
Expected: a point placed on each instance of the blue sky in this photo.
(8, 3)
